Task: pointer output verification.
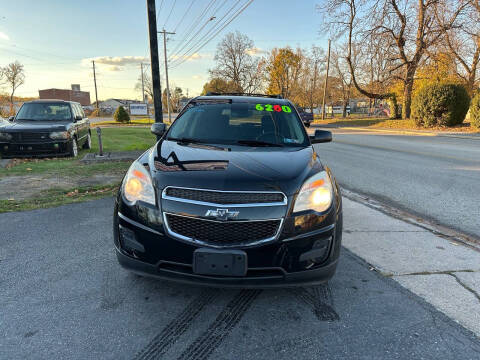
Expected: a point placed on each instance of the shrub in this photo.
(475, 111)
(394, 109)
(121, 115)
(440, 105)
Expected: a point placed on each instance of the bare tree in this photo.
(463, 42)
(341, 72)
(14, 75)
(147, 84)
(234, 63)
(405, 29)
(308, 90)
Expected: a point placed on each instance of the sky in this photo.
(56, 40)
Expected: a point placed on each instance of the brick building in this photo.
(83, 97)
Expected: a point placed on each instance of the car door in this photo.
(85, 123)
(80, 124)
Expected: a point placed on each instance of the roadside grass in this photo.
(57, 197)
(114, 139)
(385, 123)
(133, 123)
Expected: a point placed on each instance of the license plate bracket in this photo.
(220, 262)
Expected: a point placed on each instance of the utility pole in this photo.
(326, 81)
(166, 69)
(152, 31)
(95, 81)
(143, 85)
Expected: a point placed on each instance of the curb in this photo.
(412, 132)
(470, 241)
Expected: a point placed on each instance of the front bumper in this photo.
(300, 278)
(292, 260)
(32, 149)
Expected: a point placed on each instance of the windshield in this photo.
(249, 124)
(44, 112)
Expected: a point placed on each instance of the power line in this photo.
(193, 26)
(197, 33)
(228, 21)
(205, 35)
(183, 17)
(159, 8)
(169, 14)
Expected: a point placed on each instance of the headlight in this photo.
(5, 136)
(138, 185)
(316, 194)
(59, 135)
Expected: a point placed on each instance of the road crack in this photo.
(466, 287)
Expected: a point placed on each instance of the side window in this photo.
(77, 110)
(82, 113)
(74, 110)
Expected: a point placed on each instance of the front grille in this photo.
(225, 198)
(31, 136)
(222, 233)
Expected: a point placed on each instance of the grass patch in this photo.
(114, 139)
(132, 123)
(57, 197)
(384, 123)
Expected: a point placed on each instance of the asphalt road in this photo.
(64, 296)
(437, 178)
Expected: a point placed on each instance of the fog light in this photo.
(5, 148)
(318, 253)
(128, 240)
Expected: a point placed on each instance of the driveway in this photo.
(63, 295)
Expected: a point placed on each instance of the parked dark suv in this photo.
(45, 128)
(233, 194)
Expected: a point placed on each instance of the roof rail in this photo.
(275, 96)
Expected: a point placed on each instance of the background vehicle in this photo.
(307, 117)
(45, 128)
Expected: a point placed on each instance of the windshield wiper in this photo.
(185, 140)
(257, 143)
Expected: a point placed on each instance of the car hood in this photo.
(34, 126)
(239, 168)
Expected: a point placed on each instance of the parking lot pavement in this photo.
(63, 295)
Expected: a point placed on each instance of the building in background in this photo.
(75, 94)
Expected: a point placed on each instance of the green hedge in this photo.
(440, 105)
(475, 111)
(121, 115)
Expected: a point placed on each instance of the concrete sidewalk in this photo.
(445, 273)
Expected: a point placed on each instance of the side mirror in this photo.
(11, 118)
(78, 117)
(158, 129)
(321, 136)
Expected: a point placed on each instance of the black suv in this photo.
(44, 128)
(233, 194)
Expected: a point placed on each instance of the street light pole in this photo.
(166, 69)
(152, 31)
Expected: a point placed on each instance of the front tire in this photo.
(88, 143)
(73, 148)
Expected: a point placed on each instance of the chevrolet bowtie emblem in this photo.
(222, 214)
